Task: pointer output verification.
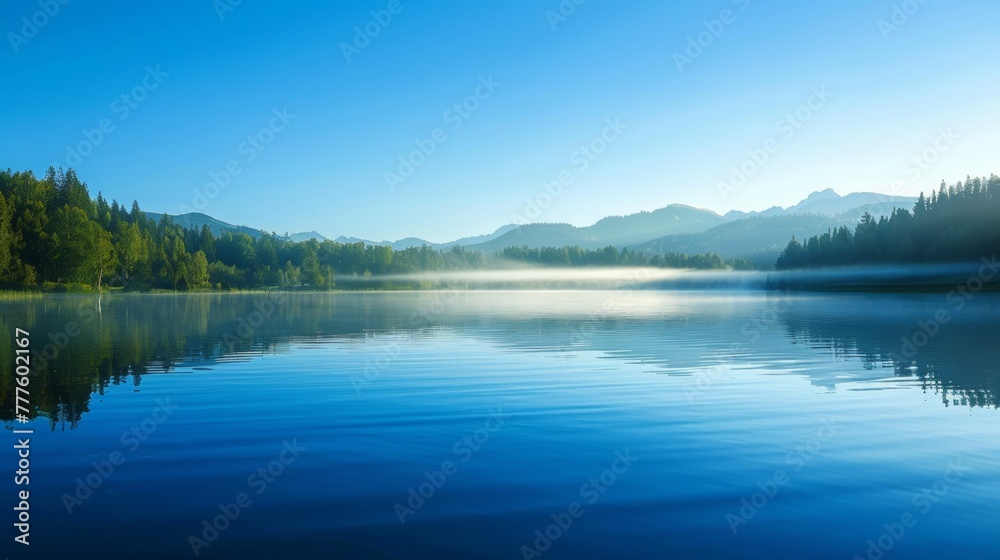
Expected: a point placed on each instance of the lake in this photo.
(508, 424)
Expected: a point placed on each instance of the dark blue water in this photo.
(508, 425)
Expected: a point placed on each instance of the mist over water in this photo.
(983, 273)
(592, 277)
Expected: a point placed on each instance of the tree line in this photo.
(54, 235)
(957, 223)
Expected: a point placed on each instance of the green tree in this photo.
(312, 273)
(104, 259)
(130, 248)
(197, 271)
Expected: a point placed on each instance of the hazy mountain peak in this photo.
(305, 236)
(680, 224)
(678, 205)
(195, 220)
(822, 195)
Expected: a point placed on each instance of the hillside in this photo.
(758, 239)
(674, 228)
(641, 227)
(958, 223)
(474, 240)
(194, 221)
(620, 231)
(828, 203)
(417, 242)
(536, 236)
(306, 236)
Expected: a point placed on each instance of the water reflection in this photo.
(81, 346)
(949, 350)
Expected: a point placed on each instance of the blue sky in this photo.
(198, 85)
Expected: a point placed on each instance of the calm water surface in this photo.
(509, 425)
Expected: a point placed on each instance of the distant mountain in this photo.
(641, 227)
(538, 235)
(853, 216)
(306, 236)
(841, 204)
(828, 203)
(759, 239)
(759, 236)
(408, 242)
(614, 230)
(396, 245)
(194, 220)
(344, 240)
(466, 241)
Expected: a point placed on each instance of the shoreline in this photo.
(974, 277)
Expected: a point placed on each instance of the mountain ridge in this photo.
(644, 230)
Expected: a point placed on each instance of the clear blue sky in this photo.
(893, 90)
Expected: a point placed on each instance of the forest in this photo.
(958, 223)
(55, 237)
